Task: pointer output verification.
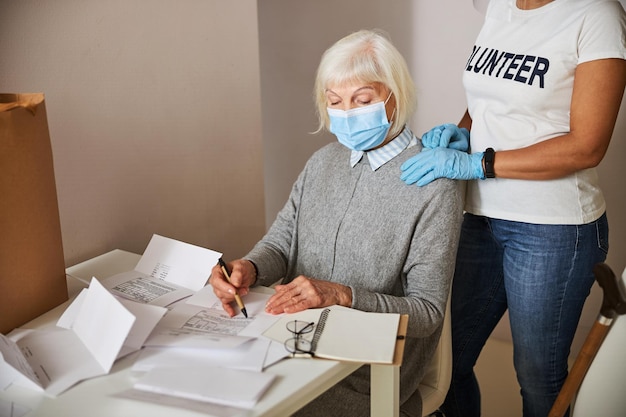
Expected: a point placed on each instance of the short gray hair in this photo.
(366, 56)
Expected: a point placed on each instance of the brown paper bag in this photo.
(32, 267)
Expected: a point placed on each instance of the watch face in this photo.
(490, 156)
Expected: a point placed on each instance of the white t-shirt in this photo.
(518, 81)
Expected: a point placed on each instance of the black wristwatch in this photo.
(488, 159)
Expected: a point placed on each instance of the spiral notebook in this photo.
(346, 334)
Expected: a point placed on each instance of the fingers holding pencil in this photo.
(230, 283)
(224, 268)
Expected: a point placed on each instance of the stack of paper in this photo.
(207, 336)
(191, 350)
(212, 384)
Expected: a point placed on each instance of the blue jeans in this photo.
(542, 274)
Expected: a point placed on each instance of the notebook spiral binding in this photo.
(319, 329)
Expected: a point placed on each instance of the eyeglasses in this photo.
(298, 344)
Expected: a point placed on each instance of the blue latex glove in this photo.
(431, 164)
(447, 136)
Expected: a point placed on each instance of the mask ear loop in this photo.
(394, 108)
(388, 97)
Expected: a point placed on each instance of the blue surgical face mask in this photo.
(361, 128)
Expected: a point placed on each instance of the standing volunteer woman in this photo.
(544, 83)
(352, 233)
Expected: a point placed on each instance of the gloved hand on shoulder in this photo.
(431, 164)
(447, 135)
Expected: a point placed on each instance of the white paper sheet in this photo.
(258, 320)
(192, 326)
(213, 410)
(177, 262)
(231, 387)
(15, 367)
(275, 353)
(60, 358)
(249, 356)
(255, 305)
(143, 288)
(12, 409)
(146, 318)
(103, 324)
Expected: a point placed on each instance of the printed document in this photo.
(168, 271)
(191, 326)
(200, 322)
(57, 359)
(143, 288)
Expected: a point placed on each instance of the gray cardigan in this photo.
(393, 244)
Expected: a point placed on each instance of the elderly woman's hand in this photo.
(242, 276)
(304, 292)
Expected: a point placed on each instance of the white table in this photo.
(298, 380)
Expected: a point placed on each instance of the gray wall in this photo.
(154, 116)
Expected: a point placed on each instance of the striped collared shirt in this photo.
(379, 157)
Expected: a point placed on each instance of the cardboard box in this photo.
(32, 266)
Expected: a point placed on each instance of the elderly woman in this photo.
(352, 233)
